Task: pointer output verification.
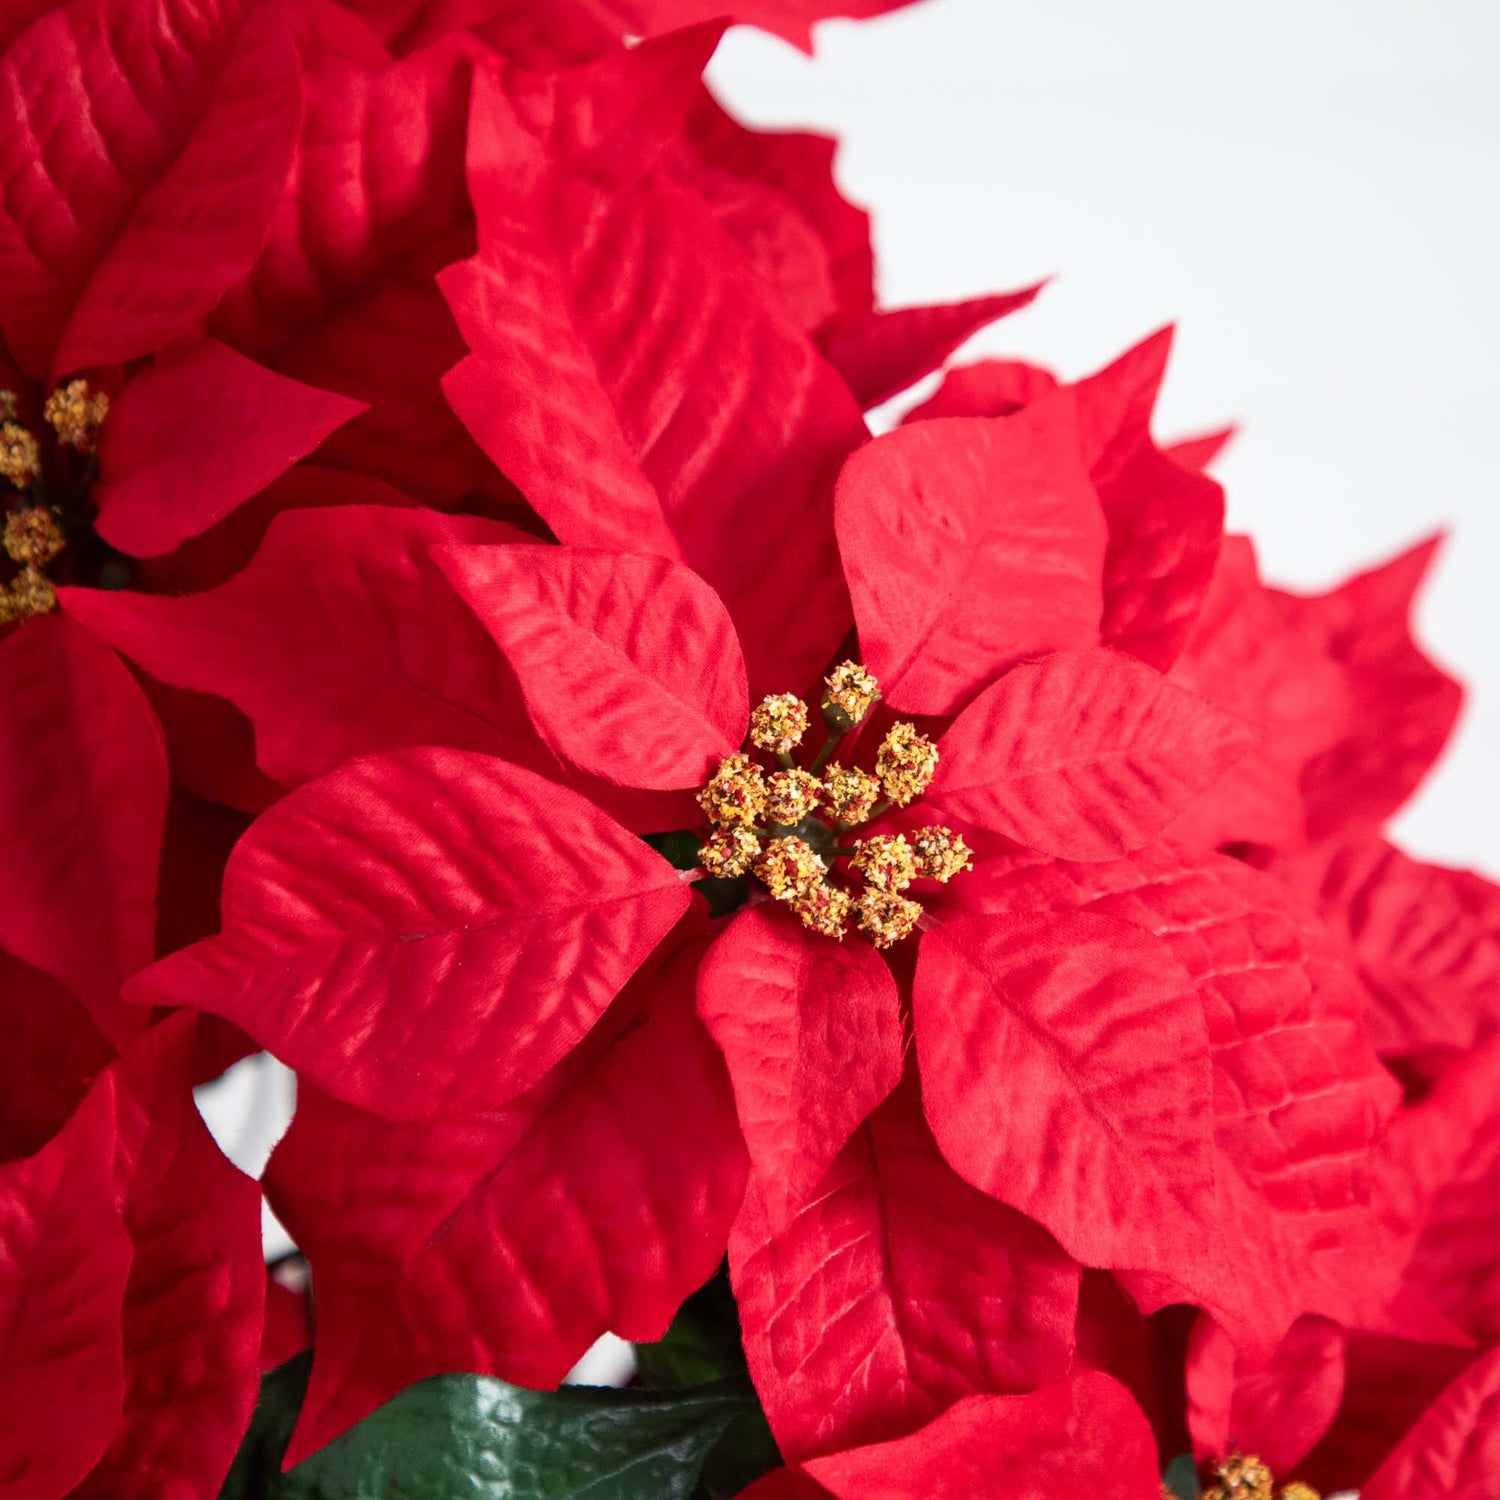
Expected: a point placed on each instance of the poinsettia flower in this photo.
(132, 1268)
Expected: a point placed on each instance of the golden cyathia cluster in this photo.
(33, 537)
(75, 412)
(1244, 1477)
(784, 826)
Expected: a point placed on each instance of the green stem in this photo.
(830, 742)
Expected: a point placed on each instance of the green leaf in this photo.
(702, 1345)
(679, 847)
(469, 1437)
(1181, 1477)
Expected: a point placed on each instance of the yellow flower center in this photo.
(784, 826)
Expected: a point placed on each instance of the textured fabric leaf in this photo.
(1247, 655)
(470, 1435)
(400, 660)
(50, 1052)
(811, 1031)
(1407, 704)
(986, 388)
(1082, 1436)
(969, 544)
(194, 436)
(429, 897)
(194, 1300)
(1426, 941)
(1298, 1097)
(1084, 754)
(630, 667)
(507, 1242)
(130, 129)
(895, 1291)
(83, 797)
(1453, 1453)
(881, 353)
(644, 411)
(64, 1259)
(1279, 1411)
(1096, 1027)
(342, 296)
(1197, 453)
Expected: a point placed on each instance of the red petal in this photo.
(191, 438)
(1197, 453)
(643, 411)
(400, 659)
(1085, 754)
(425, 930)
(1453, 1453)
(784, 1484)
(812, 1034)
(630, 666)
(1098, 1029)
(1084, 1436)
(83, 797)
(896, 1291)
(881, 353)
(1407, 705)
(506, 1242)
(1278, 1411)
(969, 544)
(64, 1260)
(1299, 1098)
(193, 1304)
(50, 1052)
(131, 129)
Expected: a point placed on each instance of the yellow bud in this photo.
(941, 853)
(1243, 1477)
(884, 917)
(849, 793)
(791, 796)
(850, 694)
(778, 723)
(905, 763)
(823, 909)
(20, 456)
(736, 793)
(790, 867)
(1296, 1490)
(33, 535)
(729, 852)
(75, 413)
(886, 862)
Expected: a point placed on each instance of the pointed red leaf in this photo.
(64, 1260)
(1196, 453)
(128, 130)
(642, 411)
(1278, 1411)
(1407, 704)
(881, 353)
(1453, 1452)
(1298, 1098)
(1085, 754)
(507, 1242)
(785, 1484)
(1115, 404)
(630, 666)
(969, 544)
(774, 191)
(1083, 1436)
(195, 435)
(83, 797)
(812, 1034)
(1097, 1028)
(425, 930)
(193, 1303)
(895, 1291)
(400, 659)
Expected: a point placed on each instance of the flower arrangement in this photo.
(899, 929)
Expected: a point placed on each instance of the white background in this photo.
(1307, 189)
